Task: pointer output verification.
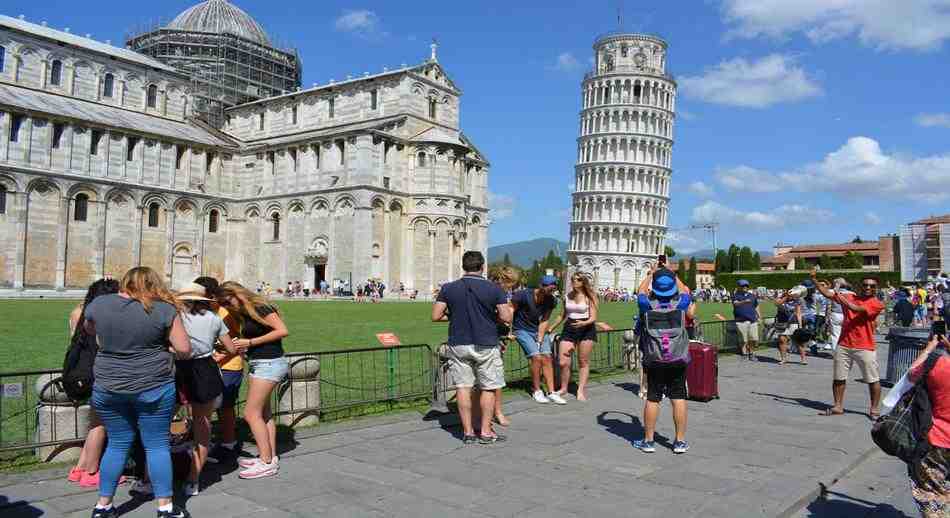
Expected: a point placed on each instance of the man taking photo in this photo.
(856, 345)
(473, 305)
(745, 311)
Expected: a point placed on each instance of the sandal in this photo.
(830, 412)
(874, 416)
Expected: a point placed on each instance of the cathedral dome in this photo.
(220, 16)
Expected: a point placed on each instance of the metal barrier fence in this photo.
(34, 414)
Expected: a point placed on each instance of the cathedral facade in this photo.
(104, 167)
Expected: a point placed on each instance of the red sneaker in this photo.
(89, 480)
(75, 475)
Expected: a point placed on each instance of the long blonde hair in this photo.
(146, 286)
(248, 301)
(586, 289)
(506, 277)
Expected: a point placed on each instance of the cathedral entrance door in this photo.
(319, 274)
(184, 267)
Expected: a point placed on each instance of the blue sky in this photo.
(799, 121)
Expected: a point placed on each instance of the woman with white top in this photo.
(580, 332)
(199, 379)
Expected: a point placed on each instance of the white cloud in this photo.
(501, 205)
(882, 24)
(780, 217)
(701, 189)
(566, 62)
(747, 179)
(860, 169)
(683, 243)
(773, 79)
(872, 218)
(931, 120)
(362, 22)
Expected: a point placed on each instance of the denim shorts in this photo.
(273, 370)
(529, 343)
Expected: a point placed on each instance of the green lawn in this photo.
(35, 333)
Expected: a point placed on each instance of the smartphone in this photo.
(939, 328)
(661, 260)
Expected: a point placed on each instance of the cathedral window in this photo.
(213, 222)
(108, 85)
(260, 121)
(94, 139)
(57, 134)
(179, 154)
(153, 215)
(421, 159)
(293, 115)
(3, 55)
(209, 161)
(3, 199)
(81, 208)
(316, 157)
(341, 145)
(275, 222)
(151, 96)
(130, 149)
(271, 163)
(56, 73)
(374, 99)
(16, 121)
(331, 104)
(433, 108)
(293, 159)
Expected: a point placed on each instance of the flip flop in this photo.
(874, 416)
(830, 412)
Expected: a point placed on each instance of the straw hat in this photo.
(798, 292)
(192, 291)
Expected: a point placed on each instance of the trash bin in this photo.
(905, 343)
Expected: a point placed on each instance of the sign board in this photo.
(388, 339)
(12, 390)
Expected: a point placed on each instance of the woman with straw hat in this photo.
(199, 378)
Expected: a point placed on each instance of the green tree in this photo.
(745, 259)
(692, 274)
(826, 262)
(669, 252)
(506, 260)
(733, 258)
(857, 239)
(722, 261)
(852, 261)
(756, 261)
(681, 270)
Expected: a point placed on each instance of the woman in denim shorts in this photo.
(263, 331)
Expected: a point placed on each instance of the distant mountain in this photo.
(710, 254)
(523, 253)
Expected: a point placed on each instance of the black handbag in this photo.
(903, 431)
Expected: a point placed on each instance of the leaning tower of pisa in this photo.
(622, 176)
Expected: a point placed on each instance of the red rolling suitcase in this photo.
(702, 373)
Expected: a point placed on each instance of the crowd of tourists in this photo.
(157, 357)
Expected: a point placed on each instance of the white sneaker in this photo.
(246, 462)
(190, 488)
(260, 470)
(540, 397)
(556, 398)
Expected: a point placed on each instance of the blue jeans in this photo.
(150, 413)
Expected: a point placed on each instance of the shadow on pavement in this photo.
(807, 403)
(628, 430)
(18, 509)
(840, 505)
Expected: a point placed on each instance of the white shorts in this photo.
(476, 365)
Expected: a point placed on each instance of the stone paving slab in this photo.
(879, 488)
(755, 452)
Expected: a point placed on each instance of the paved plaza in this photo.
(761, 450)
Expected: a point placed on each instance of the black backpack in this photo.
(77, 377)
(902, 432)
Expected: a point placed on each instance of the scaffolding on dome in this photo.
(224, 69)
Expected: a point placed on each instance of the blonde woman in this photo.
(263, 332)
(199, 379)
(580, 332)
(506, 278)
(135, 381)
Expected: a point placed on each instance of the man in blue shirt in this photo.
(473, 305)
(668, 290)
(745, 311)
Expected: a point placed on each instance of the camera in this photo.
(939, 328)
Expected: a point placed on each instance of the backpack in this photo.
(77, 377)
(664, 340)
(902, 432)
